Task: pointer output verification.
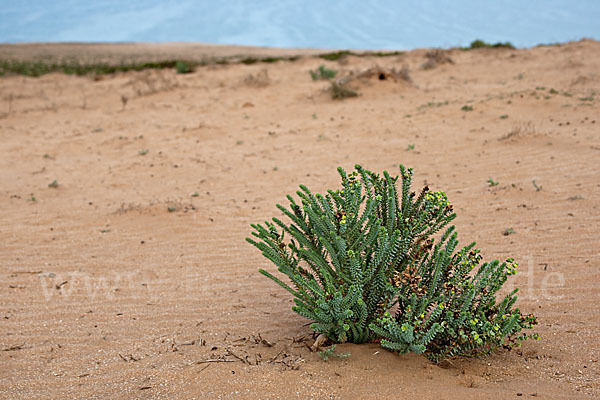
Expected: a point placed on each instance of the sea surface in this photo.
(351, 24)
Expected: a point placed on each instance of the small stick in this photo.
(213, 360)
(272, 359)
(206, 366)
(236, 356)
(13, 348)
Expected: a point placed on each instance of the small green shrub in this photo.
(322, 73)
(183, 67)
(364, 265)
(330, 353)
(509, 231)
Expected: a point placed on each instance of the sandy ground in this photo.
(126, 278)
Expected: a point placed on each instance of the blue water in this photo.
(351, 24)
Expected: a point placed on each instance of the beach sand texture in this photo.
(129, 276)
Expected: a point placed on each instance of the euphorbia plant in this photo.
(370, 262)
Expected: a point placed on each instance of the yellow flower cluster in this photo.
(511, 268)
(439, 198)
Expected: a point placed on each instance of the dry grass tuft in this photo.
(341, 91)
(519, 130)
(436, 57)
(258, 80)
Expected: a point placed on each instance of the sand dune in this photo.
(130, 275)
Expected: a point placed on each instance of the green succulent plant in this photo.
(371, 262)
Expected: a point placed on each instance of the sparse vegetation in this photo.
(178, 296)
(335, 56)
(259, 80)
(480, 44)
(519, 130)
(382, 54)
(143, 152)
(338, 55)
(492, 182)
(39, 68)
(436, 57)
(467, 108)
(69, 67)
(504, 116)
(403, 73)
(433, 104)
(341, 91)
(322, 73)
(183, 67)
(537, 187)
(508, 231)
(267, 60)
(53, 184)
